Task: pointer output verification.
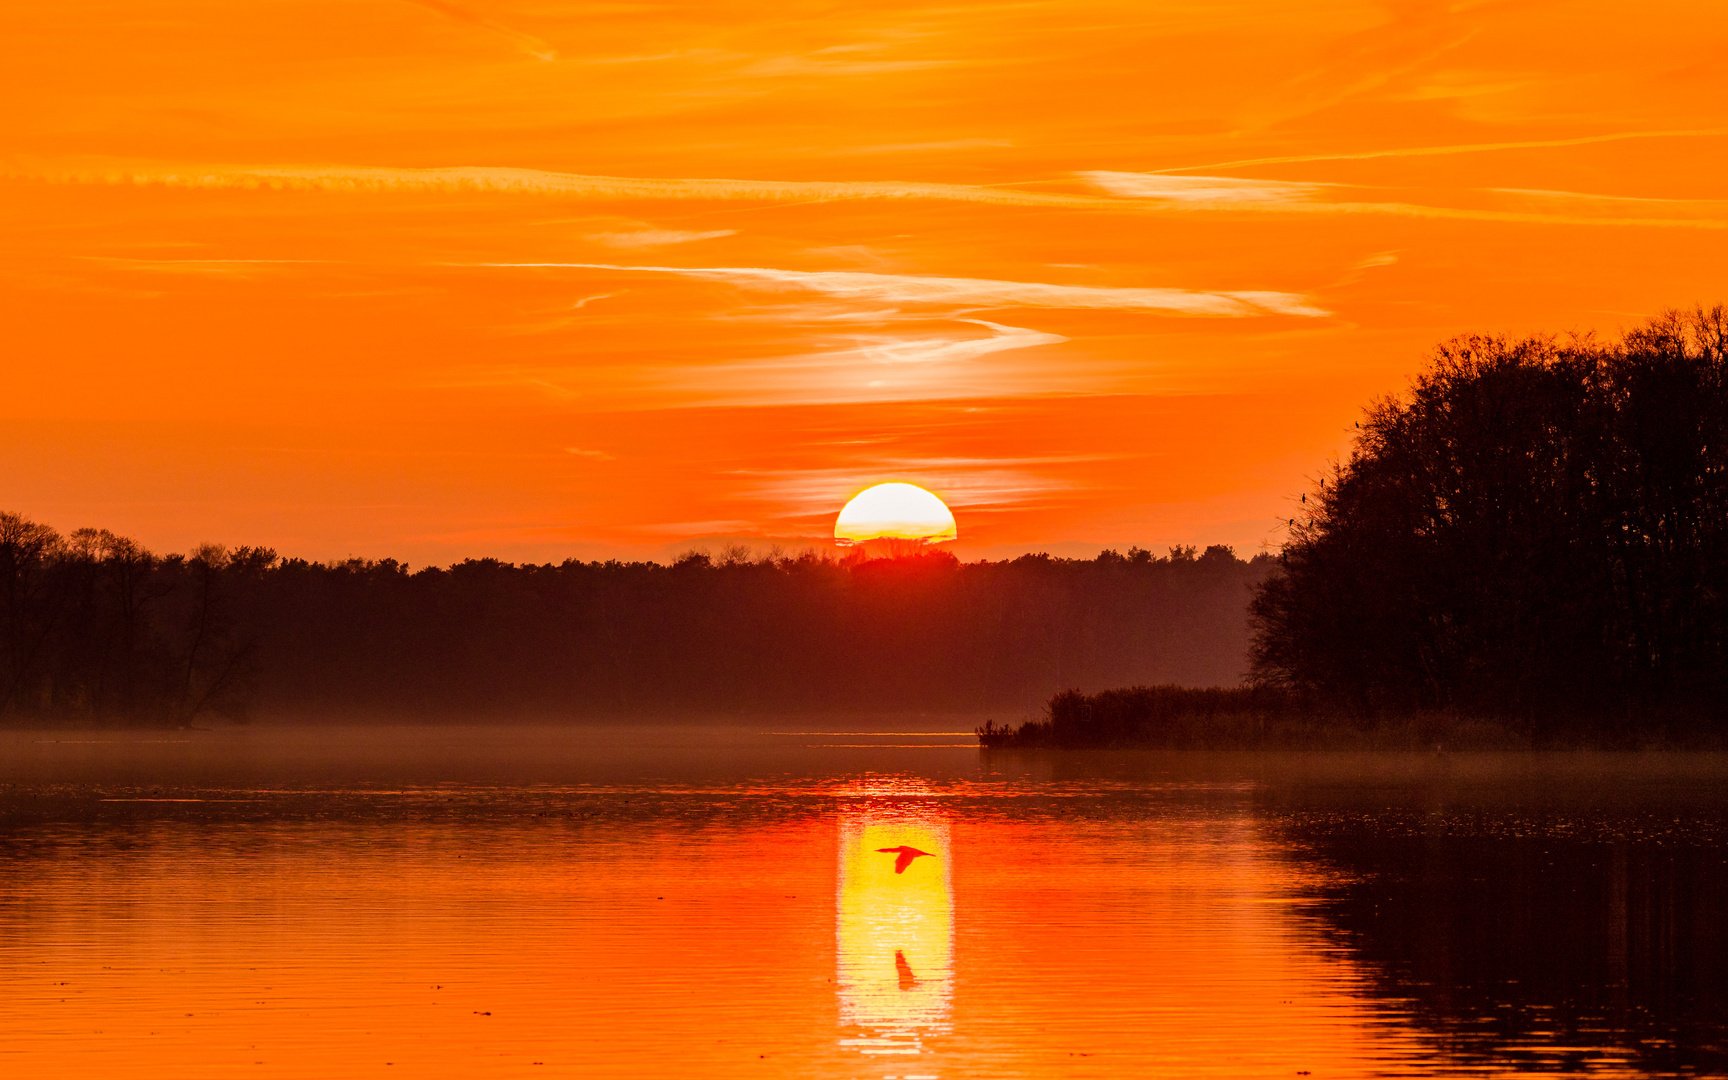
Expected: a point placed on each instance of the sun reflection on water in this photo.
(894, 914)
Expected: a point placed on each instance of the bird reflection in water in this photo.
(907, 979)
(895, 932)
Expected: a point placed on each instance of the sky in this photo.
(538, 280)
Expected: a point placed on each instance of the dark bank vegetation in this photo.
(93, 628)
(1166, 716)
(1529, 548)
(1259, 716)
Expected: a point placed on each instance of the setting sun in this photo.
(894, 512)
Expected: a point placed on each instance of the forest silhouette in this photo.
(93, 628)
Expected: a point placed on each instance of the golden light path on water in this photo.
(894, 938)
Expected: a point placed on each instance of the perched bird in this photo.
(906, 852)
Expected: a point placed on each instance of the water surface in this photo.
(712, 902)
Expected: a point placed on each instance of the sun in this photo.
(894, 512)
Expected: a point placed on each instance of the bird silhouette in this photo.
(906, 852)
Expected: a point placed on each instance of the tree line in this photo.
(95, 628)
(1538, 530)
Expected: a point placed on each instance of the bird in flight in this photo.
(906, 852)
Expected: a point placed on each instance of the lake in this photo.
(713, 902)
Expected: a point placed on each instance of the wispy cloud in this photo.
(937, 350)
(1581, 196)
(662, 57)
(980, 292)
(1200, 189)
(1289, 197)
(925, 147)
(647, 238)
(1458, 148)
(201, 266)
(528, 43)
(917, 366)
(942, 360)
(720, 526)
(869, 58)
(914, 341)
(812, 64)
(972, 483)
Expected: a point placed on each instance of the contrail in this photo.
(574, 185)
(1462, 148)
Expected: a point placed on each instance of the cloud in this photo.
(981, 292)
(947, 360)
(662, 57)
(233, 267)
(1580, 196)
(1200, 189)
(812, 64)
(932, 351)
(851, 59)
(1460, 148)
(596, 455)
(976, 484)
(924, 147)
(1289, 197)
(878, 367)
(699, 528)
(888, 359)
(1212, 194)
(528, 43)
(644, 238)
(538, 182)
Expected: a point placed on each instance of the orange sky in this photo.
(539, 279)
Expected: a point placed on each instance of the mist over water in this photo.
(703, 901)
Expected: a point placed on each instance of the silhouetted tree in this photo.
(1539, 530)
(28, 607)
